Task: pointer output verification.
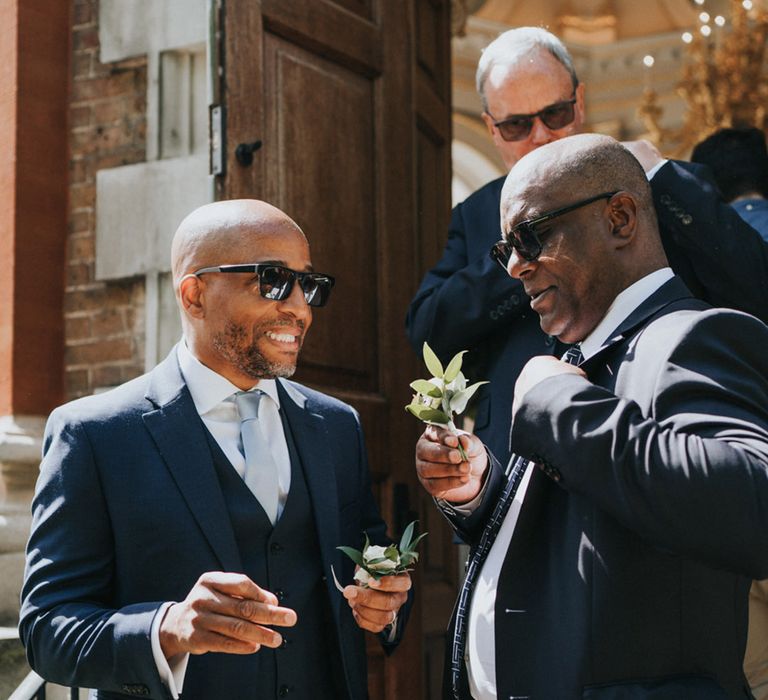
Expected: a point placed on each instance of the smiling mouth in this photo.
(287, 338)
(538, 296)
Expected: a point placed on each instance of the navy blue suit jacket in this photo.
(467, 302)
(755, 213)
(628, 572)
(128, 513)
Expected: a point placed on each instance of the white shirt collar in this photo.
(209, 388)
(623, 305)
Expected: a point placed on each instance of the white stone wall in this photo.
(138, 207)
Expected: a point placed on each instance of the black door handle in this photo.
(244, 152)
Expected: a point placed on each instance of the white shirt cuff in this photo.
(656, 168)
(172, 671)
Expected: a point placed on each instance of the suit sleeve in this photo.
(718, 254)
(461, 302)
(470, 527)
(690, 477)
(72, 634)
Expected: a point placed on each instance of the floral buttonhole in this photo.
(376, 561)
(444, 395)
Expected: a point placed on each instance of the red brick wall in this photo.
(104, 329)
(34, 59)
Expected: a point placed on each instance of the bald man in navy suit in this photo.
(152, 567)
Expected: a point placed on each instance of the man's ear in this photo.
(622, 212)
(191, 296)
(579, 106)
(488, 123)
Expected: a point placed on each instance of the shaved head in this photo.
(579, 165)
(606, 240)
(231, 322)
(214, 234)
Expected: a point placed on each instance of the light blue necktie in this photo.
(260, 468)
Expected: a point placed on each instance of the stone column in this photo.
(20, 446)
(34, 59)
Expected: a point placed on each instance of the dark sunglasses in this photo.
(518, 126)
(276, 281)
(523, 237)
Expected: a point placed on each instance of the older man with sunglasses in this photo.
(612, 557)
(531, 96)
(186, 523)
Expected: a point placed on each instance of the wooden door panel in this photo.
(351, 101)
(329, 28)
(327, 184)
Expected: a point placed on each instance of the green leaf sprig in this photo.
(377, 561)
(446, 394)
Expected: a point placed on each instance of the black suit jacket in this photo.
(468, 302)
(629, 569)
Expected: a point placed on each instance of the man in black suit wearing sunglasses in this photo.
(532, 96)
(612, 559)
(186, 523)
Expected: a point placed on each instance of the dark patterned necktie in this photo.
(573, 355)
(514, 473)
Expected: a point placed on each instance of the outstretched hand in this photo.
(223, 612)
(442, 471)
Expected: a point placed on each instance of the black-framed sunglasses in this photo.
(518, 126)
(276, 281)
(523, 237)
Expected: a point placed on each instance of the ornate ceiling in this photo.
(598, 21)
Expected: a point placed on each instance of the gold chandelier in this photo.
(724, 81)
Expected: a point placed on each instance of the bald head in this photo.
(245, 324)
(580, 166)
(221, 232)
(606, 239)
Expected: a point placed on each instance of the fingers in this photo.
(374, 610)
(430, 451)
(260, 613)
(389, 584)
(236, 635)
(217, 616)
(441, 470)
(236, 585)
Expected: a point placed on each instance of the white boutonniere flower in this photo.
(444, 395)
(376, 561)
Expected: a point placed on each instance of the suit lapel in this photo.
(671, 291)
(179, 434)
(311, 440)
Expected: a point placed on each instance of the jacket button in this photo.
(280, 593)
(284, 690)
(275, 548)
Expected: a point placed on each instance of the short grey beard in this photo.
(232, 345)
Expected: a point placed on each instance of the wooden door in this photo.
(351, 102)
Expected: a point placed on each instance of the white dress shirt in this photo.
(480, 655)
(213, 396)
